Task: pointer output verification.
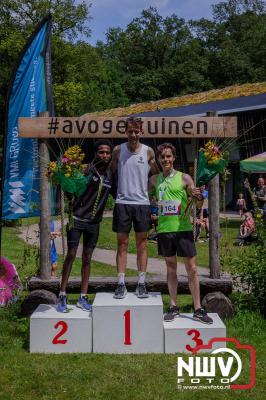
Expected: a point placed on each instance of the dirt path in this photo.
(155, 265)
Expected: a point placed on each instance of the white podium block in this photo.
(183, 334)
(129, 325)
(54, 332)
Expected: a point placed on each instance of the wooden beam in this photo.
(214, 224)
(156, 283)
(153, 127)
(45, 208)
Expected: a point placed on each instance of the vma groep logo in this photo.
(222, 369)
(17, 202)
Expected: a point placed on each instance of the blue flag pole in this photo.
(29, 93)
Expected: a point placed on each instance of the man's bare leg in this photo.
(171, 264)
(85, 269)
(121, 255)
(67, 266)
(193, 280)
(121, 262)
(142, 254)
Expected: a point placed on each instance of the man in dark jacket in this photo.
(87, 213)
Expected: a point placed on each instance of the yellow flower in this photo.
(52, 166)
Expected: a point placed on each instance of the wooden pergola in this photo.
(93, 127)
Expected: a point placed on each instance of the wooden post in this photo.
(62, 217)
(214, 222)
(45, 265)
(195, 155)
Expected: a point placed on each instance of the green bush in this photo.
(12, 223)
(249, 275)
(110, 203)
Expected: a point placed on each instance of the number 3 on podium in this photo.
(196, 339)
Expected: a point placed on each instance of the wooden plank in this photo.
(156, 283)
(153, 127)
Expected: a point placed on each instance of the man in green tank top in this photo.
(175, 233)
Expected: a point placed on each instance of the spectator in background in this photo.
(259, 193)
(241, 204)
(248, 226)
(205, 209)
(53, 252)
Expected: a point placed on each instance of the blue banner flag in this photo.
(29, 94)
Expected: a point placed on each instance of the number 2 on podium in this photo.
(127, 341)
(64, 328)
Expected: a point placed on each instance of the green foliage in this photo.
(249, 271)
(69, 376)
(158, 57)
(234, 42)
(154, 57)
(70, 16)
(110, 203)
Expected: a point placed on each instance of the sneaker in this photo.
(141, 291)
(62, 304)
(201, 315)
(84, 304)
(120, 291)
(172, 313)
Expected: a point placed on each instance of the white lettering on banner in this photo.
(17, 196)
(14, 146)
(18, 200)
(35, 158)
(35, 149)
(32, 105)
(14, 169)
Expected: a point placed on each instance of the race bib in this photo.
(170, 207)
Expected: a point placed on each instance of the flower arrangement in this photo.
(211, 161)
(68, 171)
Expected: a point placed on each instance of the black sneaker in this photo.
(120, 291)
(141, 291)
(201, 315)
(172, 313)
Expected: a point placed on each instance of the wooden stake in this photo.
(45, 208)
(214, 222)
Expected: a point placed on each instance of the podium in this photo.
(183, 333)
(129, 325)
(54, 332)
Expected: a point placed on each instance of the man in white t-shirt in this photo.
(133, 162)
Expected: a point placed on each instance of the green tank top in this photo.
(172, 202)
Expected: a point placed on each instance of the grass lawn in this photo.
(107, 240)
(27, 376)
(26, 258)
(229, 230)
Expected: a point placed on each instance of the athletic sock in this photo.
(62, 293)
(142, 276)
(83, 294)
(121, 278)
